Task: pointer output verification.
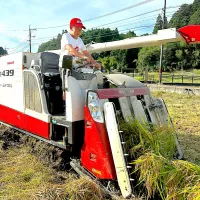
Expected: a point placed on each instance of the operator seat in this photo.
(49, 63)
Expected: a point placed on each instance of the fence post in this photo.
(172, 78)
(182, 78)
(192, 79)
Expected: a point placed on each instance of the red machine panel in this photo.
(96, 155)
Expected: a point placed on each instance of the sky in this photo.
(17, 15)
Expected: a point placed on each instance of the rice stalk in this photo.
(175, 179)
(142, 138)
(152, 152)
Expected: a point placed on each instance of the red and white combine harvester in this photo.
(77, 109)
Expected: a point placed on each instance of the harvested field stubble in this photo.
(28, 171)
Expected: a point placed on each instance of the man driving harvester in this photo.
(72, 44)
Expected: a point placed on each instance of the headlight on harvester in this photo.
(95, 107)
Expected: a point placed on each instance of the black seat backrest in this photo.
(49, 63)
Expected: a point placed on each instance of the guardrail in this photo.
(181, 79)
(171, 78)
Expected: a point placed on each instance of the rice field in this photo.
(185, 113)
(23, 176)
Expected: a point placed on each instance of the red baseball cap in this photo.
(76, 22)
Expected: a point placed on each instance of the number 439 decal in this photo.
(7, 73)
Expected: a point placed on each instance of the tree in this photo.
(148, 56)
(158, 25)
(170, 59)
(195, 18)
(181, 17)
(100, 35)
(109, 63)
(120, 56)
(52, 44)
(196, 5)
(2, 51)
(129, 34)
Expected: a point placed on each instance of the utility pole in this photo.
(162, 48)
(6, 49)
(30, 37)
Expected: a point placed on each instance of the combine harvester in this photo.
(77, 110)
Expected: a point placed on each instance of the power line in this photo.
(104, 35)
(124, 24)
(9, 36)
(135, 21)
(45, 38)
(112, 34)
(129, 7)
(2, 30)
(121, 10)
(19, 47)
(115, 22)
(21, 50)
(135, 16)
(56, 35)
(117, 25)
(105, 15)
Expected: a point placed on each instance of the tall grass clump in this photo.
(152, 152)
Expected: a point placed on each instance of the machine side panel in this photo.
(37, 126)
(96, 153)
(12, 105)
(12, 117)
(24, 122)
(37, 118)
(11, 88)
